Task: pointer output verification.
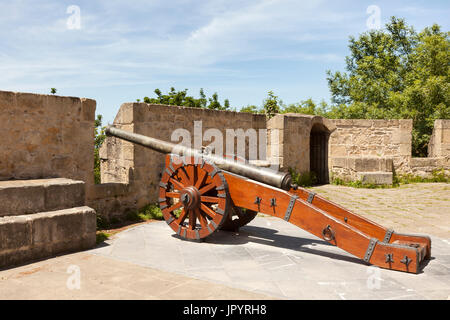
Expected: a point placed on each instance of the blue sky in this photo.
(123, 50)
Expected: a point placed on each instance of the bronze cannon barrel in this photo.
(270, 177)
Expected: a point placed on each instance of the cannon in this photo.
(200, 193)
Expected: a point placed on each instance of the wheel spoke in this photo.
(209, 199)
(210, 212)
(182, 217)
(190, 170)
(176, 184)
(206, 188)
(184, 178)
(175, 206)
(201, 218)
(201, 178)
(192, 220)
(172, 195)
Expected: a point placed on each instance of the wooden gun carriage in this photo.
(200, 193)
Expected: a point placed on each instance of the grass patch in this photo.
(437, 175)
(306, 179)
(102, 236)
(359, 184)
(149, 212)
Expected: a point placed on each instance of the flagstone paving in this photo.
(268, 259)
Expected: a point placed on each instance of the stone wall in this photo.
(48, 136)
(439, 145)
(425, 167)
(374, 139)
(44, 136)
(293, 143)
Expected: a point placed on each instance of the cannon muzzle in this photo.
(270, 177)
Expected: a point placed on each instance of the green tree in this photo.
(99, 133)
(307, 107)
(180, 98)
(272, 105)
(395, 73)
(251, 109)
(53, 90)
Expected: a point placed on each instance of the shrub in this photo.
(306, 179)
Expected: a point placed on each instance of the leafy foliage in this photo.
(251, 109)
(272, 105)
(307, 107)
(180, 98)
(99, 137)
(149, 212)
(396, 74)
(306, 179)
(393, 73)
(101, 236)
(437, 175)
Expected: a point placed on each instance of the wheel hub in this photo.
(190, 197)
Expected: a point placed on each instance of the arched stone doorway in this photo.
(318, 152)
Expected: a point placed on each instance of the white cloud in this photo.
(112, 46)
(142, 41)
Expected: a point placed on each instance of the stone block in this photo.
(30, 237)
(125, 114)
(18, 197)
(276, 122)
(339, 162)
(384, 123)
(406, 124)
(337, 150)
(362, 123)
(378, 178)
(404, 149)
(30, 102)
(14, 233)
(64, 193)
(7, 100)
(109, 190)
(88, 109)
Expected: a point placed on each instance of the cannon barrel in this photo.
(270, 177)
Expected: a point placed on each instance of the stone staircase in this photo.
(42, 218)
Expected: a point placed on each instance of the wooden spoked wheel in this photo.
(237, 218)
(193, 196)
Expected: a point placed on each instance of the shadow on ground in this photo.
(271, 237)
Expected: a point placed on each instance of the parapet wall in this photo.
(439, 145)
(46, 136)
(373, 138)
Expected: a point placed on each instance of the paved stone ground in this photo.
(104, 278)
(272, 257)
(268, 259)
(414, 208)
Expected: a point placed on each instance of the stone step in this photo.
(19, 197)
(378, 178)
(25, 238)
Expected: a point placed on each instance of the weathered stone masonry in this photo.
(46, 136)
(46, 171)
(371, 150)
